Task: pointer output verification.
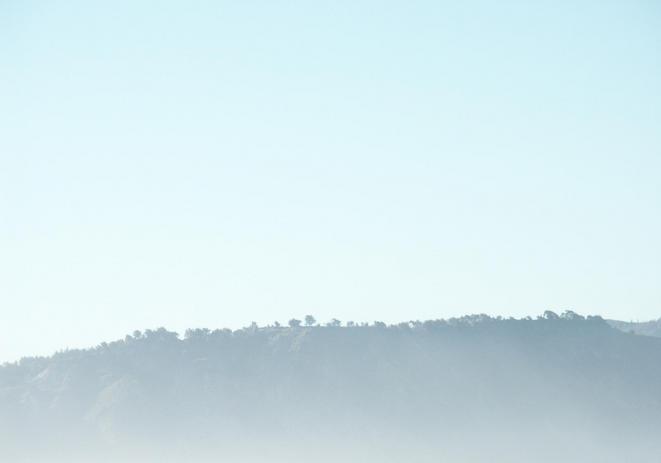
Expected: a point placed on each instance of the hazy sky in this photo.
(214, 163)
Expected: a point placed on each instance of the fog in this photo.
(472, 389)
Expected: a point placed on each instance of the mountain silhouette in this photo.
(555, 388)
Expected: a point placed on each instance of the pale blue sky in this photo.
(214, 163)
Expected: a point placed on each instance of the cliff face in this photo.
(469, 389)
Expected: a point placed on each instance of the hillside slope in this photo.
(470, 389)
(650, 328)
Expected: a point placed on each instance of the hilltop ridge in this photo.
(437, 384)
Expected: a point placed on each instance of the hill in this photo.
(650, 328)
(555, 388)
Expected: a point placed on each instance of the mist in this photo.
(470, 389)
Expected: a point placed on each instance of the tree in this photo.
(294, 323)
(197, 333)
(310, 320)
(334, 323)
(571, 315)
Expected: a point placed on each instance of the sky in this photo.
(214, 163)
